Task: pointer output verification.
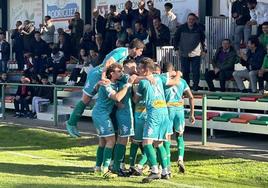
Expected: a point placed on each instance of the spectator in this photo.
(140, 32)
(18, 45)
(23, 99)
(4, 78)
(121, 33)
(67, 37)
(130, 35)
(153, 13)
(126, 15)
(98, 23)
(65, 47)
(240, 13)
(88, 40)
(47, 30)
(81, 62)
(169, 18)
(253, 60)
(29, 68)
(189, 42)
(44, 95)
(101, 46)
(263, 73)
(39, 49)
(4, 53)
(76, 25)
(141, 14)
(258, 13)
(27, 32)
(223, 65)
(111, 18)
(159, 35)
(56, 64)
(264, 36)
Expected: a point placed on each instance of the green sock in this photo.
(151, 154)
(162, 156)
(133, 153)
(119, 153)
(99, 157)
(144, 158)
(107, 156)
(167, 145)
(76, 114)
(180, 146)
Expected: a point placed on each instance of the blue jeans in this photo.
(188, 64)
(3, 66)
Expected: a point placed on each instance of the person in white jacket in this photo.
(169, 18)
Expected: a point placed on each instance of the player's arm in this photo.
(109, 62)
(118, 96)
(190, 96)
(137, 93)
(174, 81)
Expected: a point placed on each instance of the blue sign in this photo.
(60, 13)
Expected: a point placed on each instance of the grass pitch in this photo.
(38, 158)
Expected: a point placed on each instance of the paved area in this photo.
(230, 144)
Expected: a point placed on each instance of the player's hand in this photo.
(132, 78)
(104, 82)
(192, 119)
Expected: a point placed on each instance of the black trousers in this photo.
(223, 76)
(262, 79)
(22, 105)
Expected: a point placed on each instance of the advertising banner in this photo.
(61, 11)
(25, 10)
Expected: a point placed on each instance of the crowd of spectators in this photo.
(39, 53)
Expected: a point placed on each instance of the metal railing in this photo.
(55, 96)
(55, 103)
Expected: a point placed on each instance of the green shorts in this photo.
(125, 123)
(156, 127)
(177, 119)
(103, 124)
(138, 127)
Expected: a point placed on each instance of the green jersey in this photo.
(174, 95)
(153, 95)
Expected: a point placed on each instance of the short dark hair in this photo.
(157, 18)
(168, 5)
(252, 1)
(226, 39)
(136, 43)
(148, 63)
(37, 32)
(265, 23)
(128, 61)
(48, 17)
(2, 33)
(192, 14)
(44, 76)
(254, 40)
(168, 66)
(112, 68)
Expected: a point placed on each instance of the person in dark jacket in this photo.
(65, 46)
(153, 13)
(141, 14)
(189, 42)
(56, 63)
(223, 65)
(240, 13)
(23, 99)
(39, 50)
(76, 25)
(159, 34)
(253, 61)
(44, 95)
(18, 46)
(98, 23)
(126, 15)
(4, 52)
(27, 32)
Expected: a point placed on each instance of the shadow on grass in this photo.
(68, 186)
(41, 170)
(18, 138)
